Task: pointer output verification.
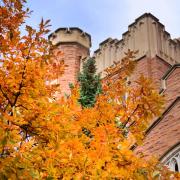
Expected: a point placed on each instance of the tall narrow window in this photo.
(176, 167)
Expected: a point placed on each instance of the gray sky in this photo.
(104, 18)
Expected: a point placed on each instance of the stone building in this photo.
(158, 58)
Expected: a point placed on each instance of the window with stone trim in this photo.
(172, 159)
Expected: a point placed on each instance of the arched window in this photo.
(172, 159)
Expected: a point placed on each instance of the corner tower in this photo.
(74, 45)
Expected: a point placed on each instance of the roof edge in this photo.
(70, 28)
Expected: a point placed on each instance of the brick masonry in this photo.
(72, 54)
(164, 135)
(165, 131)
(172, 87)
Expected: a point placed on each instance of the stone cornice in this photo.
(69, 35)
(69, 30)
(71, 43)
(169, 72)
(174, 148)
(166, 76)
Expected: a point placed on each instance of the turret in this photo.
(74, 44)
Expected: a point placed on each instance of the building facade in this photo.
(158, 58)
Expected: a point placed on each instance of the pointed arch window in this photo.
(172, 159)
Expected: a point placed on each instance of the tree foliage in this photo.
(90, 85)
(42, 138)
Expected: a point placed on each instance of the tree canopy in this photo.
(42, 138)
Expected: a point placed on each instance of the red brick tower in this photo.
(74, 44)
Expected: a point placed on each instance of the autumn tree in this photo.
(25, 93)
(42, 138)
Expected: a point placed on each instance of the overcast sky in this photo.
(104, 18)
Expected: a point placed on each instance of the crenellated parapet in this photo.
(70, 35)
(147, 35)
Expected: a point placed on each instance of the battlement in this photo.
(70, 35)
(147, 35)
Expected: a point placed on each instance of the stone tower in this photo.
(74, 45)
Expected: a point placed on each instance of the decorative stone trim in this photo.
(156, 122)
(172, 158)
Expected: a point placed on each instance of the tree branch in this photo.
(5, 95)
(23, 76)
(131, 115)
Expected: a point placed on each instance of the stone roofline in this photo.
(148, 15)
(145, 15)
(175, 41)
(70, 35)
(147, 35)
(69, 30)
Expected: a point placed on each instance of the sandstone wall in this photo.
(147, 35)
